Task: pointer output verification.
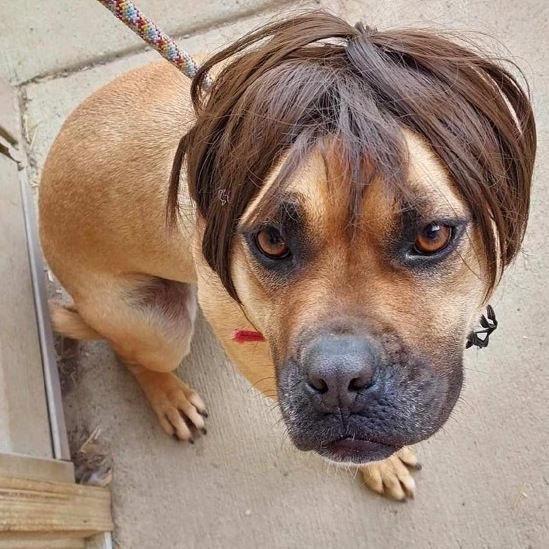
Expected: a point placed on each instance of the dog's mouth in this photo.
(352, 450)
(406, 399)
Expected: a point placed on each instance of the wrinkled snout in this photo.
(354, 395)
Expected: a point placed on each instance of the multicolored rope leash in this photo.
(138, 22)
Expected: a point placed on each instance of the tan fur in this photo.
(103, 231)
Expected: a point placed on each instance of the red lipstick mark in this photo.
(246, 336)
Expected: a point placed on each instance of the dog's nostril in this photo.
(358, 383)
(318, 384)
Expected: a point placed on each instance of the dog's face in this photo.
(359, 194)
(367, 327)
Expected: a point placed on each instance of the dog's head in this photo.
(360, 193)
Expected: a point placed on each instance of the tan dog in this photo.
(353, 195)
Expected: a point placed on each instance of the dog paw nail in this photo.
(203, 413)
(191, 441)
(204, 431)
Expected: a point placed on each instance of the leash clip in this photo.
(489, 324)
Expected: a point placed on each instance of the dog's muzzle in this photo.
(355, 398)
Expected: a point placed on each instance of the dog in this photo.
(341, 206)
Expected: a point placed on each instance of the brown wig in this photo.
(290, 86)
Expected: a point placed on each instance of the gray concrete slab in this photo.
(9, 114)
(42, 37)
(485, 482)
(48, 102)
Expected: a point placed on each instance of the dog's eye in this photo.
(432, 239)
(270, 243)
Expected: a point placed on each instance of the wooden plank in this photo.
(53, 508)
(102, 541)
(54, 470)
(46, 542)
(24, 425)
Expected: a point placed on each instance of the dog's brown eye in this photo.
(433, 238)
(271, 243)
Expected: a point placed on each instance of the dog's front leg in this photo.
(392, 477)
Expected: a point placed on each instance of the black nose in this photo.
(338, 367)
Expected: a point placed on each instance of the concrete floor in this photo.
(485, 482)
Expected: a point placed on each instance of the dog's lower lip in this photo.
(356, 450)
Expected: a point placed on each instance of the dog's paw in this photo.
(392, 477)
(180, 410)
